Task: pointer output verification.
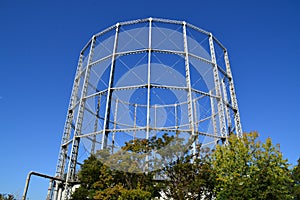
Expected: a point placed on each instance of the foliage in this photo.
(7, 197)
(118, 192)
(90, 172)
(243, 168)
(248, 169)
(296, 179)
(190, 177)
(98, 181)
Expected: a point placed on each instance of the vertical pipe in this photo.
(56, 192)
(26, 186)
(50, 189)
(60, 192)
(109, 90)
(189, 88)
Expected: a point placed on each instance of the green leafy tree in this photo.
(296, 179)
(243, 168)
(248, 169)
(91, 170)
(190, 177)
(98, 181)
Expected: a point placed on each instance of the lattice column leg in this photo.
(218, 88)
(237, 120)
(189, 88)
(76, 140)
(226, 106)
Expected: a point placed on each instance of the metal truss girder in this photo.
(218, 89)
(225, 102)
(199, 58)
(219, 43)
(223, 72)
(101, 60)
(96, 94)
(237, 120)
(188, 83)
(67, 129)
(129, 87)
(138, 51)
(75, 144)
(204, 93)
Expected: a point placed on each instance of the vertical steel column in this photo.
(60, 192)
(56, 192)
(237, 119)
(189, 87)
(195, 115)
(213, 116)
(134, 120)
(218, 88)
(96, 125)
(176, 116)
(62, 158)
(226, 106)
(76, 140)
(149, 79)
(109, 91)
(50, 189)
(155, 107)
(115, 125)
(148, 88)
(68, 124)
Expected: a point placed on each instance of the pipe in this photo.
(51, 182)
(37, 174)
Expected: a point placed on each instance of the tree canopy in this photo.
(296, 179)
(249, 169)
(242, 168)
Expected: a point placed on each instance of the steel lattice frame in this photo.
(142, 78)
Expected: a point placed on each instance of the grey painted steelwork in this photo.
(144, 78)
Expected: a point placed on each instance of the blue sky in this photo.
(40, 43)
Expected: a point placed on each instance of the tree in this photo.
(242, 168)
(7, 197)
(100, 181)
(122, 180)
(296, 179)
(97, 181)
(248, 169)
(189, 177)
(90, 172)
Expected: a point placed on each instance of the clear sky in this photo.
(40, 43)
